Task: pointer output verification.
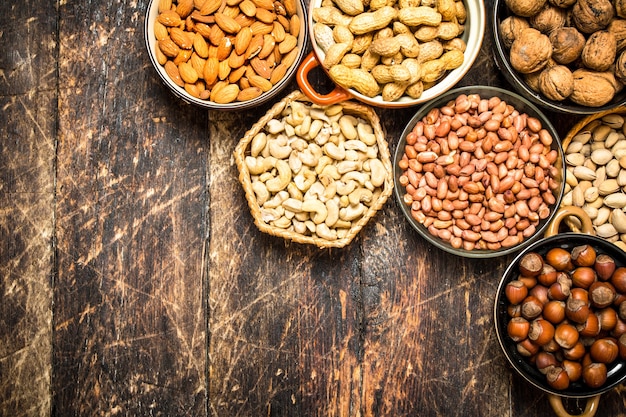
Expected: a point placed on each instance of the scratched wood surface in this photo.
(134, 283)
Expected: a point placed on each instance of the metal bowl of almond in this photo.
(595, 156)
(226, 55)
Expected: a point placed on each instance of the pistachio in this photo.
(618, 220)
(606, 230)
(601, 156)
(615, 200)
(584, 173)
(609, 186)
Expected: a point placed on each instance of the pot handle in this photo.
(590, 409)
(565, 211)
(338, 95)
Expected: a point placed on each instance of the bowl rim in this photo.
(504, 65)
(452, 94)
(150, 43)
(616, 370)
(473, 38)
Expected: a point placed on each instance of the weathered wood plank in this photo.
(130, 322)
(27, 145)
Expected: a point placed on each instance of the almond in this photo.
(242, 40)
(200, 45)
(254, 47)
(291, 57)
(198, 18)
(249, 93)
(244, 21)
(192, 89)
(226, 95)
(197, 63)
(258, 81)
(224, 48)
(236, 74)
(261, 68)
(223, 70)
(165, 5)
(168, 47)
(248, 8)
(278, 32)
(268, 46)
(216, 35)
(184, 8)
(210, 7)
(235, 60)
(288, 44)
(183, 56)
(265, 16)
(204, 30)
(172, 71)
(227, 23)
(160, 31)
(170, 18)
(278, 73)
(160, 56)
(210, 71)
(294, 25)
(181, 38)
(260, 28)
(264, 4)
(291, 7)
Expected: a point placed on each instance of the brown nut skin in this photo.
(525, 8)
(620, 67)
(548, 19)
(590, 16)
(556, 83)
(530, 51)
(593, 88)
(618, 28)
(595, 374)
(564, 4)
(567, 44)
(511, 27)
(600, 51)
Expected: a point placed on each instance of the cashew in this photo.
(320, 114)
(360, 195)
(358, 176)
(276, 201)
(299, 227)
(294, 162)
(352, 155)
(275, 126)
(308, 158)
(329, 192)
(317, 209)
(262, 195)
(366, 134)
(269, 215)
(355, 144)
(298, 144)
(259, 165)
(282, 223)
(333, 213)
(324, 161)
(352, 212)
(347, 125)
(281, 181)
(302, 129)
(292, 205)
(323, 136)
(378, 173)
(294, 192)
(345, 188)
(334, 151)
(323, 231)
(315, 129)
(347, 166)
(315, 191)
(304, 179)
(258, 144)
(330, 171)
(279, 148)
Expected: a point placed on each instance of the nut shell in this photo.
(556, 83)
(592, 88)
(525, 8)
(548, 19)
(567, 44)
(511, 27)
(599, 51)
(531, 51)
(590, 16)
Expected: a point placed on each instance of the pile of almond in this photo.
(227, 50)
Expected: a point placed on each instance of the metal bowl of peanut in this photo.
(226, 55)
(479, 172)
(391, 54)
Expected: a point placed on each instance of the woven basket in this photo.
(572, 223)
(242, 151)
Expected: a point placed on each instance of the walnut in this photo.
(590, 16)
(556, 83)
(592, 88)
(620, 7)
(548, 19)
(563, 4)
(620, 68)
(525, 8)
(618, 28)
(567, 44)
(511, 27)
(532, 81)
(599, 51)
(531, 51)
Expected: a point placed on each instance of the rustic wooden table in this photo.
(133, 281)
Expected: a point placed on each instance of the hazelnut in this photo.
(544, 361)
(541, 331)
(556, 83)
(600, 51)
(574, 369)
(583, 277)
(517, 329)
(595, 374)
(560, 259)
(584, 255)
(515, 291)
(601, 294)
(511, 27)
(604, 350)
(530, 51)
(619, 279)
(604, 266)
(531, 264)
(590, 16)
(557, 378)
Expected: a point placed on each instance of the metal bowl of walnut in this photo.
(568, 58)
(226, 57)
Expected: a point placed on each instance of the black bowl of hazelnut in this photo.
(568, 56)
(560, 313)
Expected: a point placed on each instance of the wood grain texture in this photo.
(27, 152)
(130, 323)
